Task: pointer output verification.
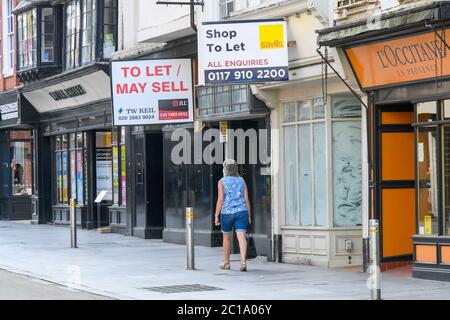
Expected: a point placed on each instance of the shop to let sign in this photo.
(243, 52)
(400, 61)
(152, 91)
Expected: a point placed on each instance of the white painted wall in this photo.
(143, 21)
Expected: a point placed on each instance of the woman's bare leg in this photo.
(242, 244)
(226, 247)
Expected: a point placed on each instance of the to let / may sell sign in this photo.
(152, 91)
(243, 52)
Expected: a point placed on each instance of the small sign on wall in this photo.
(223, 131)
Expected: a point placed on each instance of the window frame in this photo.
(223, 8)
(97, 53)
(8, 36)
(39, 37)
(439, 126)
(19, 41)
(328, 119)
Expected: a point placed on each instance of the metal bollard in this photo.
(73, 224)
(374, 232)
(190, 238)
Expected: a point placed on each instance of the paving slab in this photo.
(124, 267)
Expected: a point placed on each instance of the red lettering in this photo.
(158, 71)
(135, 72)
(182, 87)
(165, 86)
(122, 88)
(133, 88)
(156, 87)
(142, 86)
(168, 67)
(125, 71)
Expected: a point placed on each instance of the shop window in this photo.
(77, 154)
(26, 39)
(104, 164)
(446, 169)
(427, 180)
(305, 130)
(62, 169)
(119, 167)
(21, 147)
(433, 167)
(8, 38)
(347, 162)
(305, 165)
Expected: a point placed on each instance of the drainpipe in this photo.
(193, 25)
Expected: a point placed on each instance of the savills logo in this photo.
(271, 36)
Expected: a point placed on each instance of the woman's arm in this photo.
(219, 202)
(247, 203)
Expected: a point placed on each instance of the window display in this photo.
(21, 147)
(103, 160)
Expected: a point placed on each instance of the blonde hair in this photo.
(230, 168)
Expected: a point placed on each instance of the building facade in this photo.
(398, 54)
(317, 146)
(288, 224)
(62, 53)
(16, 130)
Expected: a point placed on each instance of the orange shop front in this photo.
(405, 72)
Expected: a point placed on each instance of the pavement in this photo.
(123, 267)
(18, 287)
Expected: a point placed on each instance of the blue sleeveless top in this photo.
(233, 192)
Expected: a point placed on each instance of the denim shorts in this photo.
(238, 220)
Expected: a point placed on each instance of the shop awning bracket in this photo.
(340, 77)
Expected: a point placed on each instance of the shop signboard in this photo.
(400, 61)
(242, 52)
(9, 111)
(152, 91)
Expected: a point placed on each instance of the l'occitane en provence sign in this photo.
(412, 58)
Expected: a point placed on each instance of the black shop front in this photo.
(18, 120)
(78, 153)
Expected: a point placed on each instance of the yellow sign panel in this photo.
(223, 131)
(271, 36)
(428, 228)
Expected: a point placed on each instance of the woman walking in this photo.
(233, 206)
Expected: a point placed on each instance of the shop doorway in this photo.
(257, 178)
(147, 184)
(396, 181)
